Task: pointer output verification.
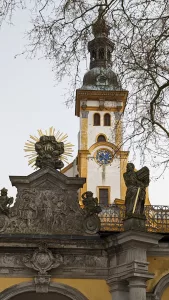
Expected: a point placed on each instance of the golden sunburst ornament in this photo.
(60, 137)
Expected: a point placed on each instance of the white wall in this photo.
(95, 177)
(112, 176)
(94, 131)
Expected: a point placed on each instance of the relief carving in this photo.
(85, 261)
(43, 211)
(42, 261)
(47, 203)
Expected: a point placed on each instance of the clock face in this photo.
(104, 157)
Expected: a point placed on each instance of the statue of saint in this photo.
(90, 203)
(5, 202)
(136, 183)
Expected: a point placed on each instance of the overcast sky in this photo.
(31, 100)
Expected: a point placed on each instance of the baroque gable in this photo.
(47, 203)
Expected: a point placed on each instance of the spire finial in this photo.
(100, 27)
(100, 10)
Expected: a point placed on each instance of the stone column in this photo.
(128, 261)
(119, 290)
(137, 288)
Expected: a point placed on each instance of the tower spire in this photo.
(101, 46)
(100, 28)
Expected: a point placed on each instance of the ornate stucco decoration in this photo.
(42, 261)
(48, 148)
(49, 152)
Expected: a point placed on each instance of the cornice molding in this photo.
(97, 95)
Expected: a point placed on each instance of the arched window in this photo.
(107, 120)
(101, 138)
(101, 53)
(96, 119)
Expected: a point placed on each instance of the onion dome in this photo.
(100, 76)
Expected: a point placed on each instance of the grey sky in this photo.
(31, 100)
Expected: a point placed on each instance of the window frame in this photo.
(101, 134)
(108, 114)
(94, 119)
(104, 188)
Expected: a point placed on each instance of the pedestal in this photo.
(135, 222)
(128, 270)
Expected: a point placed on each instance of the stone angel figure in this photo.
(90, 203)
(136, 183)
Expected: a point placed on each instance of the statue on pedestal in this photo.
(136, 183)
(5, 202)
(90, 203)
(91, 209)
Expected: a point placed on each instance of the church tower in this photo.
(100, 103)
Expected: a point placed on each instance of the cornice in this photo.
(161, 250)
(96, 95)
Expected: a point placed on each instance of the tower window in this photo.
(108, 55)
(101, 53)
(107, 120)
(96, 119)
(93, 55)
(104, 196)
(101, 138)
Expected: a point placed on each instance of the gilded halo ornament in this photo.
(39, 149)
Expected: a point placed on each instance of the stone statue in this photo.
(5, 202)
(90, 204)
(48, 152)
(136, 183)
(91, 223)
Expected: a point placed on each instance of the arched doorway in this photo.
(40, 296)
(161, 291)
(27, 290)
